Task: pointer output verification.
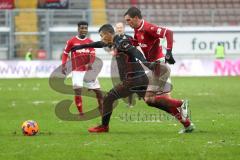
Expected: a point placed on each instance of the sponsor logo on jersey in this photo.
(76, 44)
(83, 51)
(159, 30)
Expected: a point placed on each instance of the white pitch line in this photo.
(89, 143)
(204, 94)
(38, 102)
(35, 89)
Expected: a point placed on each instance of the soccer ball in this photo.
(30, 128)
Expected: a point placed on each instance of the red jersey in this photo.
(80, 58)
(147, 37)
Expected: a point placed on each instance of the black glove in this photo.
(169, 57)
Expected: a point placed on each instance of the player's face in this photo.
(83, 30)
(106, 37)
(132, 22)
(119, 28)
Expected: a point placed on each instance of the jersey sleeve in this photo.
(66, 50)
(68, 47)
(160, 32)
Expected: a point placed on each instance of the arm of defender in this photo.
(161, 32)
(65, 53)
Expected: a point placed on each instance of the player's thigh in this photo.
(150, 94)
(160, 81)
(77, 79)
(92, 74)
(93, 84)
(122, 90)
(139, 85)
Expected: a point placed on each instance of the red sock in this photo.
(168, 101)
(173, 108)
(78, 102)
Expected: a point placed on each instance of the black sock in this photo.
(106, 119)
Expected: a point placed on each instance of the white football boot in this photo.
(185, 116)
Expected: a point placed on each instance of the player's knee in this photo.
(109, 99)
(77, 91)
(149, 103)
(149, 100)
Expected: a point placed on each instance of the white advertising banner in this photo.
(27, 69)
(186, 67)
(43, 69)
(205, 42)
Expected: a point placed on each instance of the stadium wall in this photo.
(188, 41)
(195, 42)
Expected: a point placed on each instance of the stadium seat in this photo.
(79, 4)
(194, 18)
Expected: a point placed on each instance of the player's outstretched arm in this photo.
(98, 44)
(64, 61)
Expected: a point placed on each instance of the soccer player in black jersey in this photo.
(136, 80)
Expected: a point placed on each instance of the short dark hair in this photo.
(82, 23)
(106, 28)
(134, 11)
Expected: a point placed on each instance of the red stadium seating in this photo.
(180, 12)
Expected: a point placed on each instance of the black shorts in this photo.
(129, 86)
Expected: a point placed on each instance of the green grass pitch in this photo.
(137, 133)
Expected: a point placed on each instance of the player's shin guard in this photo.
(78, 102)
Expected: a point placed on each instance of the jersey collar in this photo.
(80, 38)
(141, 26)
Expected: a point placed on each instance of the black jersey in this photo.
(128, 65)
(127, 56)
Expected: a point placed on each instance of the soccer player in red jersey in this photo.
(82, 62)
(147, 36)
